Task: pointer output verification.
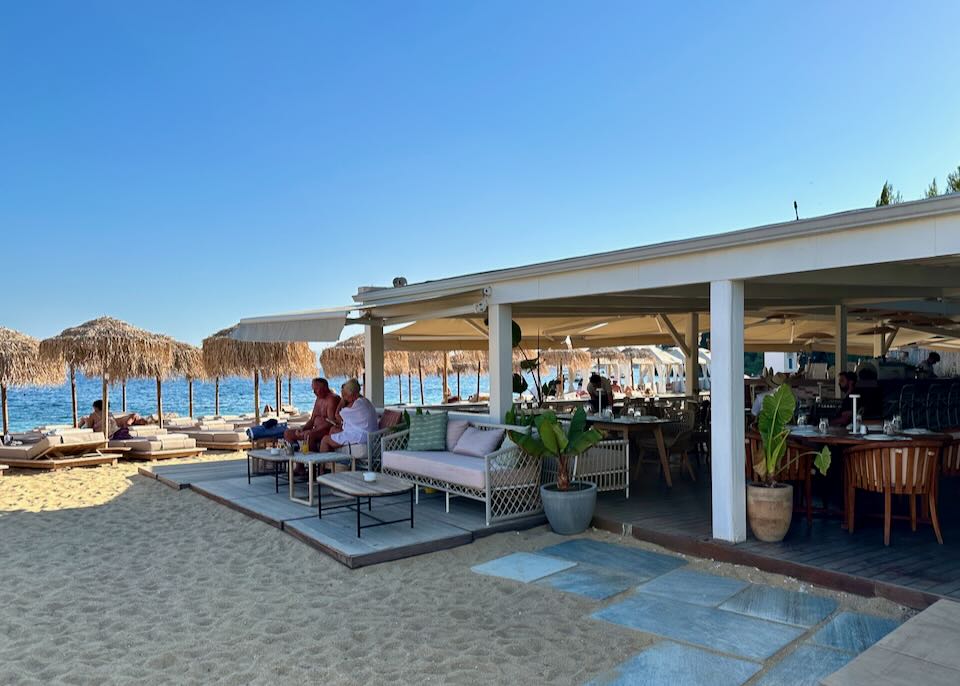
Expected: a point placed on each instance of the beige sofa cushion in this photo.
(438, 464)
(150, 444)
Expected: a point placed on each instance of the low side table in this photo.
(353, 485)
(279, 463)
(310, 460)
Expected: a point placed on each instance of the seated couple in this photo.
(117, 428)
(336, 421)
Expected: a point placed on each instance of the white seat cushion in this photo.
(462, 470)
(150, 444)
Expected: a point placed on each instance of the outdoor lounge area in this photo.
(856, 285)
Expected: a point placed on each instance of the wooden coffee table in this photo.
(353, 485)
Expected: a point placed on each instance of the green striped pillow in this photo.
(428, 432)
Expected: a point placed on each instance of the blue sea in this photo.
(30, 407)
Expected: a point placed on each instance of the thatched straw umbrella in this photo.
(396, 363)
(109, 348)
(188, 363)
(343, 359)
(346, 358)
(224, 355)
(572, 359)
(22, 365)
(430, 361)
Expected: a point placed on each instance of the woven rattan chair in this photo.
(900, 468)
(799, 468)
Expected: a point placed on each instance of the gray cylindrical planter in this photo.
(569, 512)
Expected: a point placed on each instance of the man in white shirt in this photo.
(355, 419)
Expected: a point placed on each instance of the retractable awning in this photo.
(312, 326)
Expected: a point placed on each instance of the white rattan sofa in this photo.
(506, 481)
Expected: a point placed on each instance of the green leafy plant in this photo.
(551, 440)
(775, 415)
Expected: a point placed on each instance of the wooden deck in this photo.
(914, 570)
(336, 535)
(921, 651)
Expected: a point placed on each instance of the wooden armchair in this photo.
(901, 468)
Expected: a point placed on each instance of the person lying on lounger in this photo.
(116, 428)
(355, 418)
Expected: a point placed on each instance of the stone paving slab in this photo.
(781, 605)
(678, 665)
(853, 632)
(641, 563)
(805, 666)
(882, 667)
(691, 586)
(726, 632)
(523, 567)
(590, 581)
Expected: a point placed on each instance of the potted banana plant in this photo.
(568, 504)
(770, 502)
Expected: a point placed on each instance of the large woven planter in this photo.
(769, 511)
(571, 511)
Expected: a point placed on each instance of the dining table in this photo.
(632, 426)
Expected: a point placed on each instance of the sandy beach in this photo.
(109, 577)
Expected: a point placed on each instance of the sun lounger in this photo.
(160, 445)
(58, 450)
(219, 436)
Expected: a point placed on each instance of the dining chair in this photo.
(894, 468)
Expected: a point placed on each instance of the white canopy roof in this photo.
(313, 326)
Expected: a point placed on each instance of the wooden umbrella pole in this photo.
(458, 384)
(123, 395)
(278, 387)
(256, 396)
(3, 400)
(446, 378)
(420, 374)
(400, 386)
(216, 396)
(290, 390)
(190, 398)
(410, 387)
(159, 403)
(105, 399)
(73, 395)
(478, 379)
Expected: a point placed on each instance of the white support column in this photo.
(727, 407)
(840, 344)
(501, 360)
(691, 364)
(373, 363)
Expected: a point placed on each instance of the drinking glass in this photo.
(824, 426)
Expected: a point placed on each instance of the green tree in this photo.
(888, 196)
(953, 181)
(932, 190)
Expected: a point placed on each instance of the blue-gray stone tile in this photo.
(781, 605)
(523, 567)
(691, 586)
(678, 665)
(853, 632)
(641, 563)
(805, 666)
(726, 632)
(590, 581)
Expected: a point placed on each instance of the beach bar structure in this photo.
(853, 270)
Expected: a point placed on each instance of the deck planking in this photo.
(914, 570)
(335, 534)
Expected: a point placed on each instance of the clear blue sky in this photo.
(183, 164)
